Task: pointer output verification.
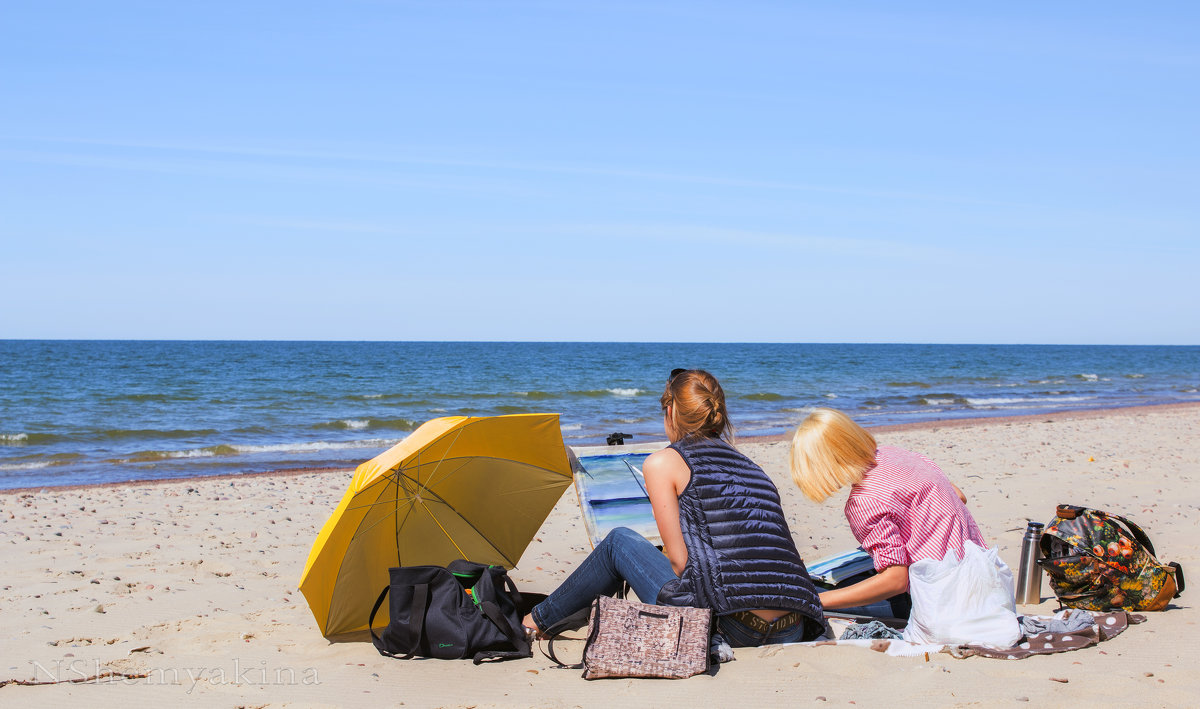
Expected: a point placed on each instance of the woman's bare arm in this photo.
(885, 584)
(667, 476)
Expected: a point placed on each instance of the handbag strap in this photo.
(578, 619)
(416, 616)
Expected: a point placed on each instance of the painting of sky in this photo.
(610, 171)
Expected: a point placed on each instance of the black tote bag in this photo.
(465, 610)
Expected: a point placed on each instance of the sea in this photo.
(83, 412)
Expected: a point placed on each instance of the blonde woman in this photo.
(913, 522)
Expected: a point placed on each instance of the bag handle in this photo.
(578, 619)
(1144, 540)
(416, 618)
(371, 622)
(518, 640)
(512, 589)
(1073, 511)
(1138, 534)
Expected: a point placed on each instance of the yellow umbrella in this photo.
(459, 487)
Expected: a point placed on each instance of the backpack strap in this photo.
(1144, 540)
(1138, 534)
(1178, 577)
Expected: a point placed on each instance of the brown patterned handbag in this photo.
(629, 639)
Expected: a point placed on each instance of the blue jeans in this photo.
(738, 634)
(624, 555)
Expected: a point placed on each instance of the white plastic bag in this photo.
(963, 601)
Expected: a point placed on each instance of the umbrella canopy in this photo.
(459, 487)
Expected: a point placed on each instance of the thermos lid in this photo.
(1035, 526)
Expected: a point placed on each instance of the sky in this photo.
(601, 171)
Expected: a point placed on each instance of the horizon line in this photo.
(595, 342)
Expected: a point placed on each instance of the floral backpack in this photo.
(1096, 564)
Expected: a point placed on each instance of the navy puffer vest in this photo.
(740, 552)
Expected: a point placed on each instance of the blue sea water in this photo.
(96, 411)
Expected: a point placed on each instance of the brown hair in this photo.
(697, 405)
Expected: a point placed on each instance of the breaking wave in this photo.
(397, 424)
(224, 450)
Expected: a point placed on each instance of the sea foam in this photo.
(229, 450)
(35, 465)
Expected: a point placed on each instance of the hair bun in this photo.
(698, 405)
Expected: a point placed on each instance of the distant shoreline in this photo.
(1074, 414)
(934, 424)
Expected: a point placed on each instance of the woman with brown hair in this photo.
(726, 544)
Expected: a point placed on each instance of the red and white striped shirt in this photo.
(905, 510)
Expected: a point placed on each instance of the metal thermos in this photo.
(1029, 579)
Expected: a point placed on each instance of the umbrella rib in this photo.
(458, 434)
(485, 457)
(395, 475)
(395, 514)
(461, 554)
(469, 524)
(392, 475)
(394, 479)
(382, 502)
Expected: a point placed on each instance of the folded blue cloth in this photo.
(1068, 620)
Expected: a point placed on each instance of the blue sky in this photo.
(754, 171)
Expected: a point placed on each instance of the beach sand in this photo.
(193, 583)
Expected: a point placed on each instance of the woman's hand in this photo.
(885, 584)
(666, 477)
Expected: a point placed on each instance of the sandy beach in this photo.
(192, 583)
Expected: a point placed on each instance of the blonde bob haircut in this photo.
(829, 451)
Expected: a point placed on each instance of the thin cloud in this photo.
(774, 241)
(497, 165)
(259, 170)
